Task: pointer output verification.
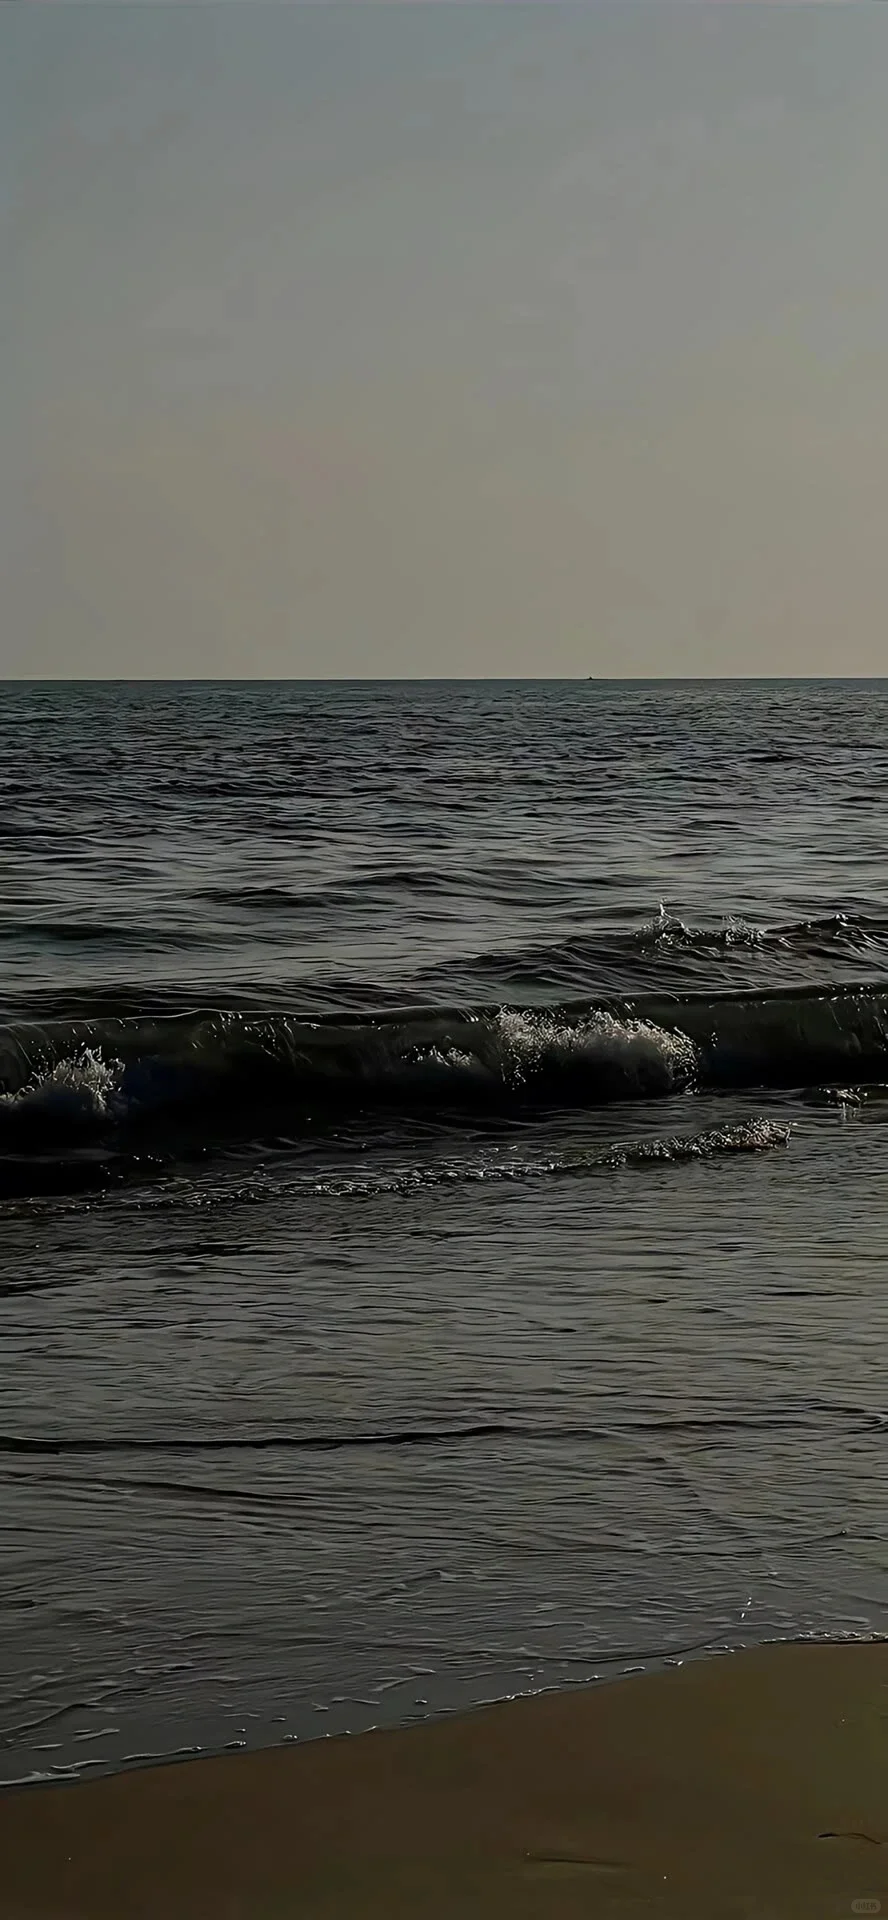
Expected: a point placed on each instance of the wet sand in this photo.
(754, 1785)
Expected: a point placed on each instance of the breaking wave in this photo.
(82, 1080)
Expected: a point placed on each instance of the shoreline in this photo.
(752, 1784)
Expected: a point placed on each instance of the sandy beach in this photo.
(753, 1785)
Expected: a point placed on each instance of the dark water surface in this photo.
(442, 1195)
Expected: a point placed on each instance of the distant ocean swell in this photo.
(668, 943)
(591, 965)
(69, 1081)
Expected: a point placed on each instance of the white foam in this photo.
(81, 1090)
(637, 1050)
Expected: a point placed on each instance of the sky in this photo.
(368, 340)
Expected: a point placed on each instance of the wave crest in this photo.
(224, 1069)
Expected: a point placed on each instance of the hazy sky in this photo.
(442, 340)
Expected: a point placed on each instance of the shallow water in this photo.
(442, 1156)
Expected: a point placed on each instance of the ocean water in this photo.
(443, 1159)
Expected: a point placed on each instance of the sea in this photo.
(443, 1174)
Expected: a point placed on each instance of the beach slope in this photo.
(753, 1785)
